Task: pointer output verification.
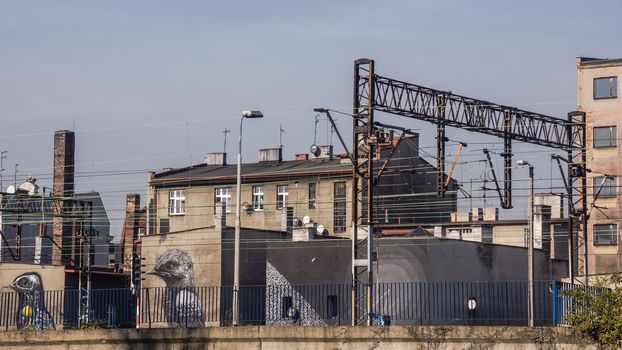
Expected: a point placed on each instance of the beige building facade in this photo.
(598, 95)
(274, 197)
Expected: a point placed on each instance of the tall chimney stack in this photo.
(130, 231)
(63, 188)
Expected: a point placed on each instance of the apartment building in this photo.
(278, 195)
(598, 87)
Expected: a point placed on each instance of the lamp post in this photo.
(530, 286)
(238, 195)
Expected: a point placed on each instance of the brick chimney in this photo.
(63, 188)
(130, 229)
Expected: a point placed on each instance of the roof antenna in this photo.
(317, 120)
(281, 132)
(226, 131)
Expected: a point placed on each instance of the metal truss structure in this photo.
(373, 92)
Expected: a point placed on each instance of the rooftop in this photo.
(598, 62)
(211, 174)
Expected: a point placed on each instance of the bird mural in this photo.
(182, 307)
(31, 310)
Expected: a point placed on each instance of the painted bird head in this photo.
(175, 268)
(26, 282)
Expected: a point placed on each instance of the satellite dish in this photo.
(296, 222)
(10, 189)
(315, 150)
(320, 229)
(306, 219)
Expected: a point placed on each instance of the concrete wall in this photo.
(602, 112)
(294, 338)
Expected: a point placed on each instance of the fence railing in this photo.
(407, 303)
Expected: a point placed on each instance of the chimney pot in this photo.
(271, 155)
(216, 158)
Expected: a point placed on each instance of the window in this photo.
(331, 306)
(339, 207)
(312, 196)
(605, 136)
(164, 226)
(608, 186)
(222, 195)
(258, 197)
(281, 196)
(606, 234)
(286, 303)
(177, 202)
(606, 87)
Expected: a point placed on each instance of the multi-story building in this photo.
(598, 86)
(277, 195)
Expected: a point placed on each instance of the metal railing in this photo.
(407, 303)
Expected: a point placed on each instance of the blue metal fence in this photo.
(407, 303)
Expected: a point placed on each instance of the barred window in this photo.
(176, 202)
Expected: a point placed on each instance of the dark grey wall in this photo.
(253, 255)
(410, 260)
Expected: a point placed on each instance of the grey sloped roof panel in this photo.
(216, 173)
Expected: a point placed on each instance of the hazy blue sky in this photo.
(152, 84)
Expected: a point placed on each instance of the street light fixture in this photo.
(236, 259)
(530, 242)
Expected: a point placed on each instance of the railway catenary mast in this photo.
(373, 92)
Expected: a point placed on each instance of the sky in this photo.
(150, 84)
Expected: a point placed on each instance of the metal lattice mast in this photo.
(364, 144)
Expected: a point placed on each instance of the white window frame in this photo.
(282, 194)
(258, 197)
(223, 195)
(176, 202)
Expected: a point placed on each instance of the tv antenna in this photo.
(281, 132)
(225, 132)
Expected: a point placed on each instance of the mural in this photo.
(31, 311)
(279, 289)
(182, 307)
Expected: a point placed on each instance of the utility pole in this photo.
(530, 287)
(15, 177)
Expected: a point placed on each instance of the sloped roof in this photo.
(209, 174)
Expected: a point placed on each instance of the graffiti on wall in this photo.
(285, 305)
(181, 306)
(31, 309)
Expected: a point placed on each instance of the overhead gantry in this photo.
(375, 93)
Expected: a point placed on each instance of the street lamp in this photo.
(236, 259)
(529, 242)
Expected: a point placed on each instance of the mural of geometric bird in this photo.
(31, 307)
(182, 307)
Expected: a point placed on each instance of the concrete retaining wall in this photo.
(294, 338)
